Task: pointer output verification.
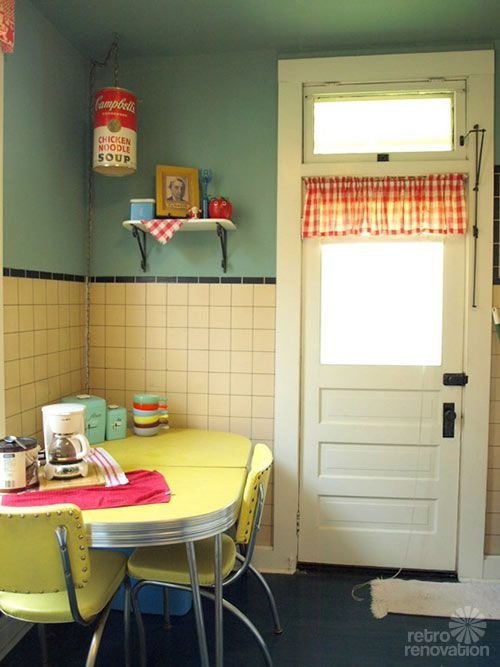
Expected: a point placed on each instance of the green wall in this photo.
(217, 112)
(45, 136)
(497, 102)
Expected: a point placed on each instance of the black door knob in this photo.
(449, 416)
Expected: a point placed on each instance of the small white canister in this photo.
(18, 463)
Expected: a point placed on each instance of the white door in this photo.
(383, 322)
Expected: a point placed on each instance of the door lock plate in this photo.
(455, 379)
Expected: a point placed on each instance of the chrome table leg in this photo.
(219, 636)
(198, 612)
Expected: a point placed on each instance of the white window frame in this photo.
(477, 68)
(456, 86)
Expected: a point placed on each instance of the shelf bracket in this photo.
(140, 236)
(222, 234)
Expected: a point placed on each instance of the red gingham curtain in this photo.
(7, 25)
(342, 205)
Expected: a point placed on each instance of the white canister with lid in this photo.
(18, 463)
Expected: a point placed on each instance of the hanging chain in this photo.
(112, 53)
(115, 63)
(94, 64)
(90, 228)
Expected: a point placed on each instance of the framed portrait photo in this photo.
(177, 190)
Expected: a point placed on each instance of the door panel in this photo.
(379, 483)
(364, 461)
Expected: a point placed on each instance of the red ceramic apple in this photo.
(220, 207)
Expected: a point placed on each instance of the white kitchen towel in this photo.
(111, 469)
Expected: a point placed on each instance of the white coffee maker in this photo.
(65, 441)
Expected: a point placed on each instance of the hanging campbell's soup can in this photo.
(115, 135)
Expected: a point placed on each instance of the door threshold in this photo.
(377, 572)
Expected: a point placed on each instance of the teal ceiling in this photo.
(170, 28)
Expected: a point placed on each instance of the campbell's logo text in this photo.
(123, 104)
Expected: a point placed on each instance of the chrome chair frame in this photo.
(100, 619)
(237, 574)
(62, 540)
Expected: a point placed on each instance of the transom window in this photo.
(383, 124)
(391, 122)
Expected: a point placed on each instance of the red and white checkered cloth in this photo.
(7, 25)
(162, 229)
(406, 205)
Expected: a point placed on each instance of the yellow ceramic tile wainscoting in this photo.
(209, 348)
(492, 538)
(492, 542)
(44, 345)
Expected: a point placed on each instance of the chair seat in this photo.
(169, 563)
(107, 572)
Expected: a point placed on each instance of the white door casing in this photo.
(477, 68)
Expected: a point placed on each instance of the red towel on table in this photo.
(145, 487)
(162, 230)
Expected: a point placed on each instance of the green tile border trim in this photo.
(200, 280)
(42, 275)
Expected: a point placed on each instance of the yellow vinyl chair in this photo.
(167, 566)
(49, 575)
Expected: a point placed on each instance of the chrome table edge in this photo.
(150, 533)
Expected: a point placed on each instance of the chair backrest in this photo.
(30, 557)
(258, 477)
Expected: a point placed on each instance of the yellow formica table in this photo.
(206, 473)
(182, 447)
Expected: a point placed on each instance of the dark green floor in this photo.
(324, 627)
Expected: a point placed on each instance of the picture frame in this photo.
(177, 190)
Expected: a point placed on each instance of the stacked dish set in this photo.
(150, 414)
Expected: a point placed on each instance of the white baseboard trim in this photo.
(491, 568)
(11, 631)
(266, 559)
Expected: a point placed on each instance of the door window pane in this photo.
(382, 303)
